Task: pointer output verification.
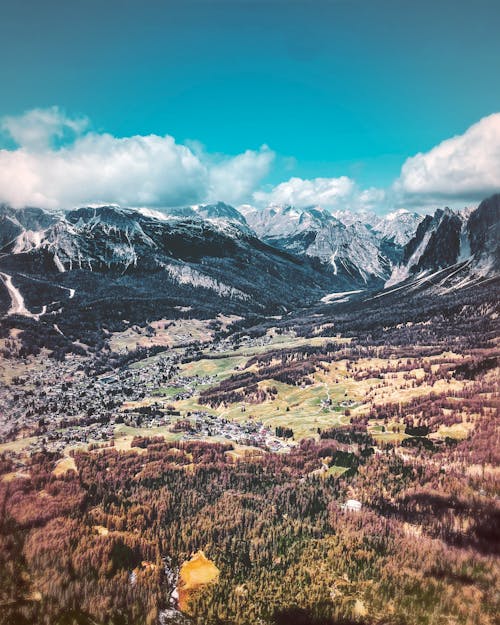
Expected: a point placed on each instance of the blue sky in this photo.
(341, 88)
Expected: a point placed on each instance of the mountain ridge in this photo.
(251, 256)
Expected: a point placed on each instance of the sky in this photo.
(356, 104)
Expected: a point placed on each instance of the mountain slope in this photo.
(466, 243)
(351, 250)
(398, 227)
(129, 254)
(22, 227)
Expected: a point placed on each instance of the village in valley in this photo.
(162, 382)
(58, 406)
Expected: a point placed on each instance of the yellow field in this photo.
(459, 431)
(167, 333)
(124, 435)
(64, 465)
(281, 341)
(221, 367)
(14, 367)
(194, 573)
(244, 452)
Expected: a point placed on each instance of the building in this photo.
(352, 505)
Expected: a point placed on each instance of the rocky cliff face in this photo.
(360, 247)
(470, 241)
(483, 229)
(436, 243)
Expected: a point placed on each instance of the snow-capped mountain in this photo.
(218, 257)
(360, 246)
(23, 227)
(278, 222)
(161, 256)
(221, 211)
(218, 212)
(109, 236)
(467, 241)
(399, 226)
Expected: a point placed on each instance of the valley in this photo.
(255, 437)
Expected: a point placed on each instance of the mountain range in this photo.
(266, 260)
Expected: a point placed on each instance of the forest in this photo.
(386, 516)
(424, 540)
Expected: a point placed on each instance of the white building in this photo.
(352, 505)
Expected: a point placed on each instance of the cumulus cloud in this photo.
(463, 168)
(371, 199)
(237, 177)
(37, 129)
(60, 163)
(132, 171)
(331, 193)
(300, 192)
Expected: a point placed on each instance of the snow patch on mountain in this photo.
(398, 226)
(185, 274)
(344, 296)
(402, 272)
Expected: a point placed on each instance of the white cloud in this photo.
(236, 178)
(371, 199)
(132, 171)
(463, 168)
(38, 128)
(60, 163)
(300, 192)
(331, 193)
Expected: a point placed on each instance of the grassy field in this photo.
(458, 431)
(281, 341)
(293, 406)
(15, 475)
(18, 445)
(64, 465)
(336, 471)
(221, 367)
(124, 435)
(166, 333)
(166, 391)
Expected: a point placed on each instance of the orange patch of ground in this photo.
(194, 573)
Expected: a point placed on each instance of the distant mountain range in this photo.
(271, 259)
(362, 248)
